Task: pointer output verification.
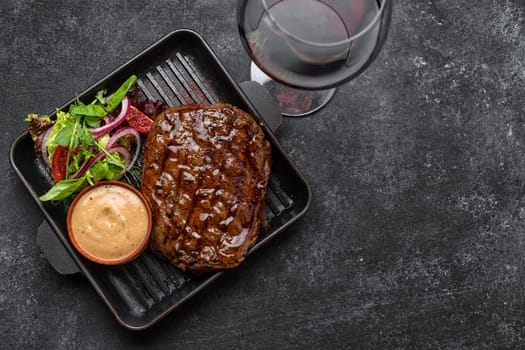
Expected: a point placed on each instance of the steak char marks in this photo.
(205, 174)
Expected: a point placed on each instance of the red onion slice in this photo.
(122, 150)
(127, 131)
(124, 109)
(125, 153)
(43, 146)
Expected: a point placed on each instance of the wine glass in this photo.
(302, 49)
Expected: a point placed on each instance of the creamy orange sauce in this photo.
(109, 222)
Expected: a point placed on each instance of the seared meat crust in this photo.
(205, 174)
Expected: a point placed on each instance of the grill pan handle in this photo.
(54, 250)
(263, 103)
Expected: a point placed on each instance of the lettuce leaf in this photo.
(63, 119)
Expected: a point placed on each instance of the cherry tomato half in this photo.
(138, 120)
(58, 164)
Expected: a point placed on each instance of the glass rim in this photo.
(331, 44)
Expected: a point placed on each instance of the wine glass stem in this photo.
(291, 101)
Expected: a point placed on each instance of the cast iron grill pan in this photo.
(179, 69)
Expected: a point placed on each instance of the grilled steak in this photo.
(205, 174)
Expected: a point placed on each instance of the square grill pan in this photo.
(180, 68)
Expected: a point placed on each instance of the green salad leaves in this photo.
(75, 156)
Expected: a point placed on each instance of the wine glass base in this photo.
(291, 101)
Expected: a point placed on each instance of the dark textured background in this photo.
(415, 237)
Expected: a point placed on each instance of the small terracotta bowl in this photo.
(109, 223)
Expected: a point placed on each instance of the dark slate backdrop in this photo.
(415, 237)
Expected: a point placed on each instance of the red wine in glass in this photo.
(302, 49)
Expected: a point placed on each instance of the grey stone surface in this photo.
(415, 238)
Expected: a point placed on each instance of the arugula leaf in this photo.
(92, 121)
(85, 137)
(116, 164)
(64, 135)
(74, 104)
(121, 92)
(94, 110)
(63, 189)
(107, 168)
(79, 158)
(101, 98)
(104, 170)
(99, 170)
